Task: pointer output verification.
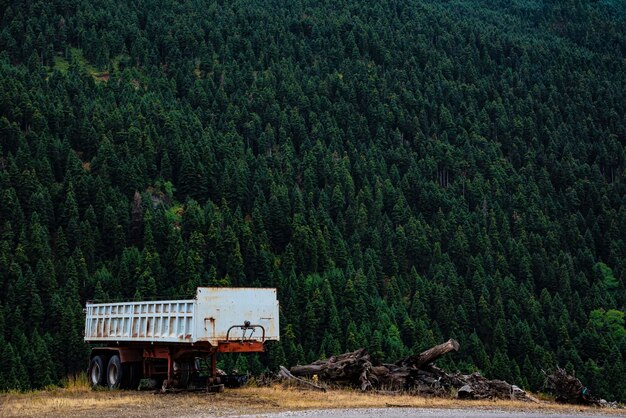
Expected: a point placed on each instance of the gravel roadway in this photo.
(426, 412)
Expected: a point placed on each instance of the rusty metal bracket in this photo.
(246, 326)
(212, 320)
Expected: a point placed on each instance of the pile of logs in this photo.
(415, 374)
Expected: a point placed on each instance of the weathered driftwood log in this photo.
(475, 386)
(335, 365)
(430, 355)
(285, 374)
(415, 373)
(357, 368)
(434, 381)
(568, 389)
(348, 369)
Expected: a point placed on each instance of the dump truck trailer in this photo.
(174, 343)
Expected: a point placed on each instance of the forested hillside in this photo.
(402, 171)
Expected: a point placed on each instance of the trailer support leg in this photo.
(170, 369)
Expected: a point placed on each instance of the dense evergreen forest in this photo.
(402, 171)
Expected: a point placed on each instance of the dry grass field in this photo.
(77, 400)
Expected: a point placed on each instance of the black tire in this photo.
(132, 375)
(115, 373)
(97, 372)
(186, 371)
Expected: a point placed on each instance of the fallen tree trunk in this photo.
(285, 374)
(346, 366)
(335, 365)
(414, 373)
(352, 369)
(429, 355)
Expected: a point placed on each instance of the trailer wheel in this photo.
(132, 375)
(96, 372)
(115, 372)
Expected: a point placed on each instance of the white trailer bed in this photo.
(215, 315)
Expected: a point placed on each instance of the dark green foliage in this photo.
(402, 172)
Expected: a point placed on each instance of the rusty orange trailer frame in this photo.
(157, 360)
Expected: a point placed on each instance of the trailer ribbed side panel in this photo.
(162, 321)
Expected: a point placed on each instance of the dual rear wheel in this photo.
(97, 372)
(116, 375)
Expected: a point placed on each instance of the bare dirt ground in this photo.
(267, 401)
